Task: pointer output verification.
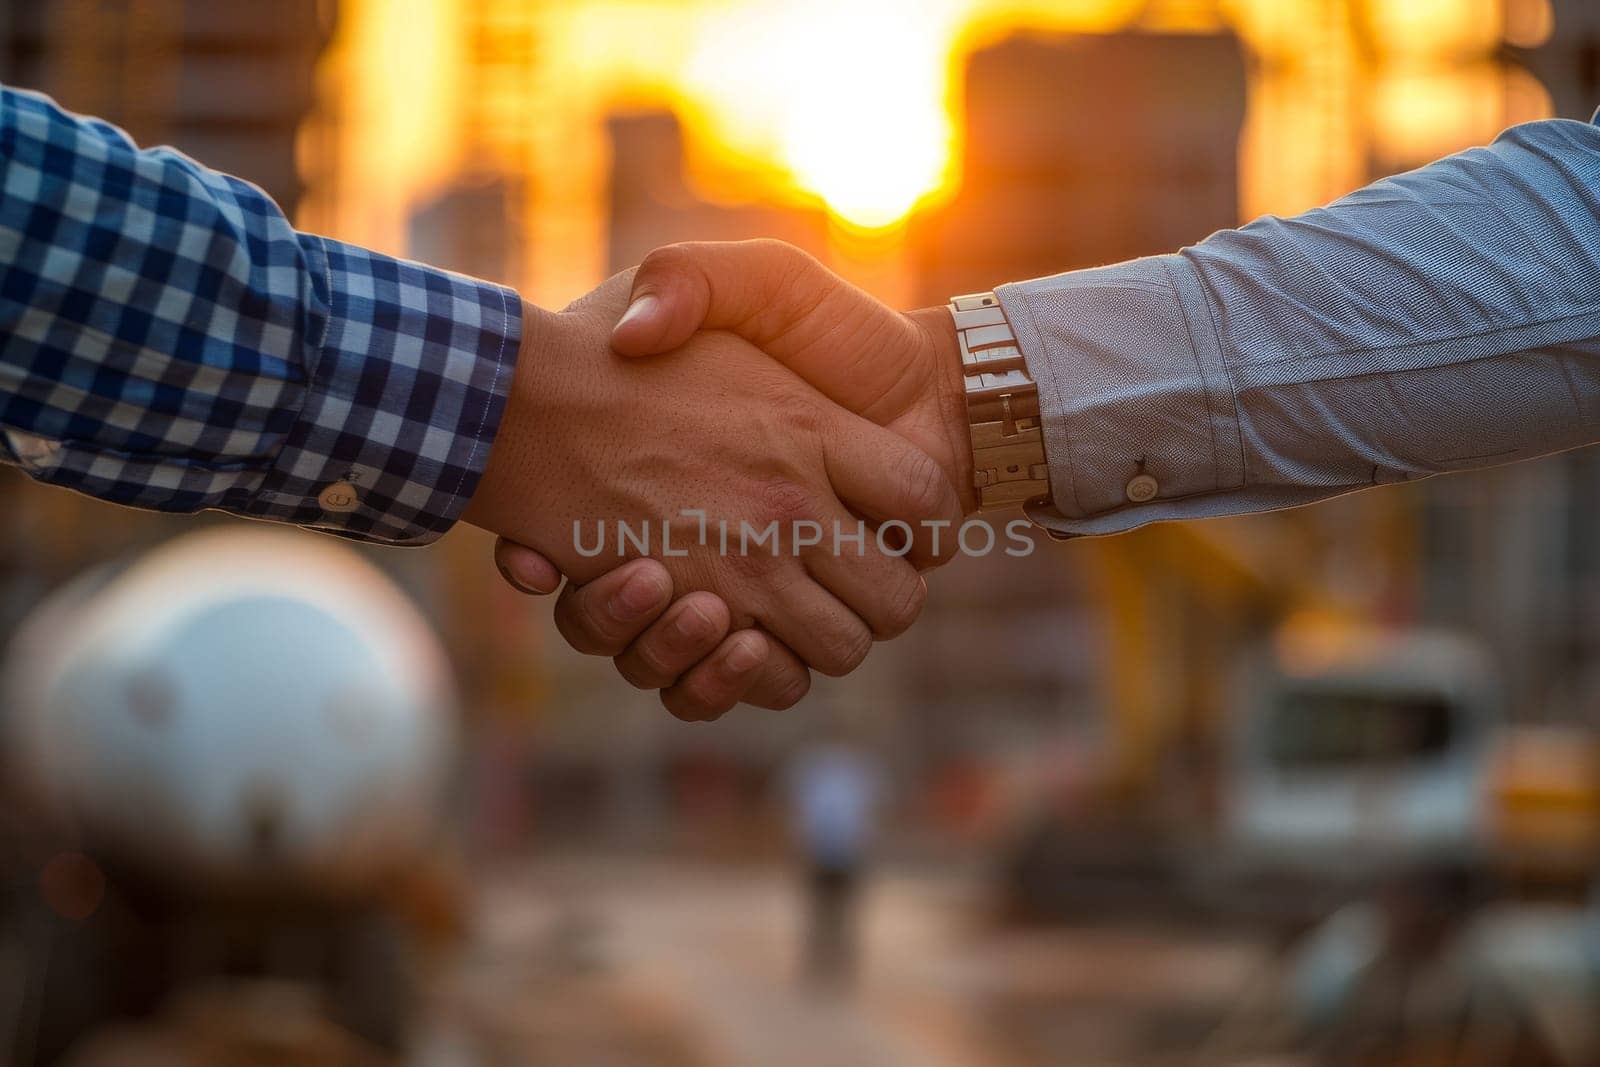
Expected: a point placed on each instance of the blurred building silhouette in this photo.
(229, 84)
(470, 228)
(1568, 63)
(1087, 150)
(651, 203)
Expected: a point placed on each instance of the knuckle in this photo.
(666, 260)
(926, 489)
(756, 567)
(781, 499)
(795, 412)
(769, 246)
(781, 253)
(778, 501)
(795, 261)
(806, 420)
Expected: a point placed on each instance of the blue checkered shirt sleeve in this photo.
(1440, 320)
(168, 340)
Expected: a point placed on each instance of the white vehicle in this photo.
(1355, 752)
(242, 727)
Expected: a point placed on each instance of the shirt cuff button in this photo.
(339, 498)
(1142, 488)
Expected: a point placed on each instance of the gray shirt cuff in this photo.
(1131, 382)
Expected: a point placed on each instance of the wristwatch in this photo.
(1008, 461)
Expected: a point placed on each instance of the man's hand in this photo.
(681, 647)
(589, 438)
(901, 371)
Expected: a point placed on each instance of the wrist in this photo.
(1009, 464)
(501, 496)
(949, 405)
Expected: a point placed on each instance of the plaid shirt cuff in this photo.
(403, 397)
(170, 341)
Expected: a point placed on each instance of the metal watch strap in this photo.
(1008, 459)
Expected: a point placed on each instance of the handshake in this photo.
(756, 500)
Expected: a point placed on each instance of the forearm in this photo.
(171, 342)
(1440, 320)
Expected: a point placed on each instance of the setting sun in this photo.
(853, 102)
(852, 106)
(850, 103)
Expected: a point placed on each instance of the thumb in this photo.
(525, 569)
(849, 346)
(671, 299)
(748, 287)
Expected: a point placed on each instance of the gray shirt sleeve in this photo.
(1439, 320)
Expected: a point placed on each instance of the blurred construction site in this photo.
(1317, 786)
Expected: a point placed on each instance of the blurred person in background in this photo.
(1441, 320)
(833, 794)
(172, 342)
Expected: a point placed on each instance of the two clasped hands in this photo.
(746, 383)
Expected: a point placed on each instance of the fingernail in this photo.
(743, 658)
(638, 595)
(511, 580)
(641, 308)
(690, 625)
